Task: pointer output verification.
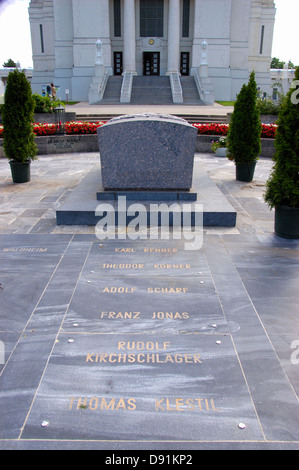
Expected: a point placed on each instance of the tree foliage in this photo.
(244, 134)
(283, 183)
(279, 64)
(9, 63)
(18, 118)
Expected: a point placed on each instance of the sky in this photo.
(15, 40)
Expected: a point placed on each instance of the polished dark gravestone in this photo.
(128, 344)
(147, 151)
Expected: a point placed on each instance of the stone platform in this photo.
(80, 206)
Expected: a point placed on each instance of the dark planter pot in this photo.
(286, 222)
(20, 172)
(245, 172)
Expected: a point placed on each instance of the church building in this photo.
(103, 51)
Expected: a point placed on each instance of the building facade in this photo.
(219, 41)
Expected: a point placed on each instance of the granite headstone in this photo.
(147, 151)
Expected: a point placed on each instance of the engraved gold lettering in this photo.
(25, 250)
(188, 404)
(131, 404)
(141, 346)
(172, 266)
(119, 290)
(107, 406)
(170, 315)
(94, 406)
(123, 266)
(89, 357)
(124, 250)
(160, 250)
(123, 315)
(167, 290)
(82, 403)
(154, 354)
(101, 403)
(158, 404)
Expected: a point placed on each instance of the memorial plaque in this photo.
(141, 386)
(153, 286)
(136, 342)
(143, 352)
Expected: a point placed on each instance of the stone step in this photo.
(196, 118)
(112, 91)
(190, 92)
(151, 90)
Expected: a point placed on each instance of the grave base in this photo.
(80, 207)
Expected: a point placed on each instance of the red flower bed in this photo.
(212, 129)
(43, 129)
(268, 130)
(78, 127)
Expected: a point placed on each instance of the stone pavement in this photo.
(30, 208)
(139, 344)
(86, 108)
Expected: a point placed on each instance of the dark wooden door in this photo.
(118, 63)
(185, 63)
(151, 63)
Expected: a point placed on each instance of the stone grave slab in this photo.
(141, 387)
(126, 344)
(153, 287)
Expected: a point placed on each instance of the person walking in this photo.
(53, 91)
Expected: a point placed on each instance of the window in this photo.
(186, 18)
(41, 38)
(151, 18)
(117, 18)
(262, 39)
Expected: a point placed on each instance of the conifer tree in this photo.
(283, 183)
(18, 118)
(244, 136)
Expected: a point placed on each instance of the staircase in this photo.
(191, 118)
(190, 92)
(151, 90)
(112, 91)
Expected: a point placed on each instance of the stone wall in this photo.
(49, 117)
(58, 144)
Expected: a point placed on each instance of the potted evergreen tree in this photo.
(18, 138)
(282, 187)
(244, 135)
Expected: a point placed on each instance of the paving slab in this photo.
(140, 344)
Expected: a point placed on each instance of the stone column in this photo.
(129, 36)
(196, 46)
(174, 34)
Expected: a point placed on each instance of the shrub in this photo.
(44, 104)
(245, 126)
(18, 117)
(283, 183)
(268, 106)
